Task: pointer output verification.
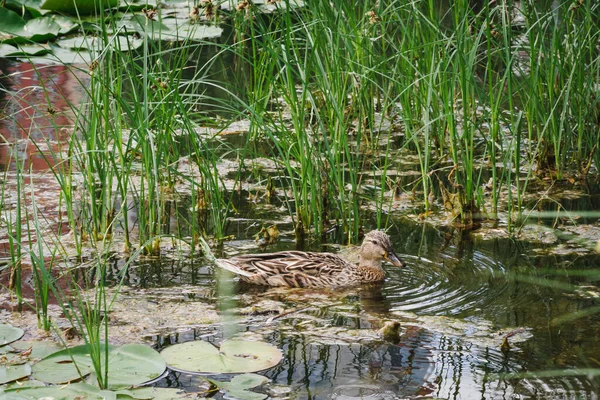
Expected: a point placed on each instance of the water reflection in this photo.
(38, 103)
(452, 358)
(422, 364)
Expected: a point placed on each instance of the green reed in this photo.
(133, 124)
(563, 42)
(123, 155)
(41, 265)
(14, 225)
(476, 67)
(331, 84)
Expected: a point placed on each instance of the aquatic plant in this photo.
(233, 356)
(41, 266)
(14, 227)
(492, 100)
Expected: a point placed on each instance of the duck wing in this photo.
(308, 263)
(290, 268)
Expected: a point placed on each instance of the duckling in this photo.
(315, 270)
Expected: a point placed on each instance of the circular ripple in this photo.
(449, 286)
(352, 392)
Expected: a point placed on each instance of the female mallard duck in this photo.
(308, 269)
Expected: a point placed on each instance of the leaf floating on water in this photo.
(10, 373)
(15, 29)
(76, 7)
(248, 381)
(234, 356)
(21, 385)
(238, 386)
(154, 393)
(30, 351)
(82, 390)
(129, 365)
(78, 390)
(9, 334)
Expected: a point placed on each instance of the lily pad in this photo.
(15, 29)
(10, 373)
(7, 50)
(79, 390)
(75, 7)
(82, 390)
(122, 43)
(9, 334)
(11, 22)
(238, 386)
(24, 6)
(129, 365)
(154, 393)
(6, 349)
(23, 384)
(171, 29)
(234, 356)
(66, 24)
(35, 350)
(62, 56)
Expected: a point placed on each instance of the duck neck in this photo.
(369, 263)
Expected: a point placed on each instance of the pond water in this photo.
(456, 301)
(461, 295)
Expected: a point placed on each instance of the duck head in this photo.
(376, 247)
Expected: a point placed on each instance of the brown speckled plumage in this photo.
(310, 269)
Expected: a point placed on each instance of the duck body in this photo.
(311, 269)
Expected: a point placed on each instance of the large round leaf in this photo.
(66, 365)
(23, 50)
(35, 350)
(170, 29)
(79, 390)
(122, 43)
(15, 29)
(9, 373)
(82, 390)
(128, 365)
(235, 356)
(132, 365)
(154, 393)
(24, 7)
(9, 334)
(76, 7)
(11, 23)
(239, 385)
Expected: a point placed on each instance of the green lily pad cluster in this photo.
(33, 370)
(129, 365)
(28, 366)
(32, 29)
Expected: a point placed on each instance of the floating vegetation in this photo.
(233, 356)
(239, 385)
(9, 334)
(128, 365)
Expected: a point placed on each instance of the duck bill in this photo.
(395, 260)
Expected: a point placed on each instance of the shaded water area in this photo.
(478, 309)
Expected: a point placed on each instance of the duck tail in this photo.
(206, 250)
(220, 262)
(231, 267)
